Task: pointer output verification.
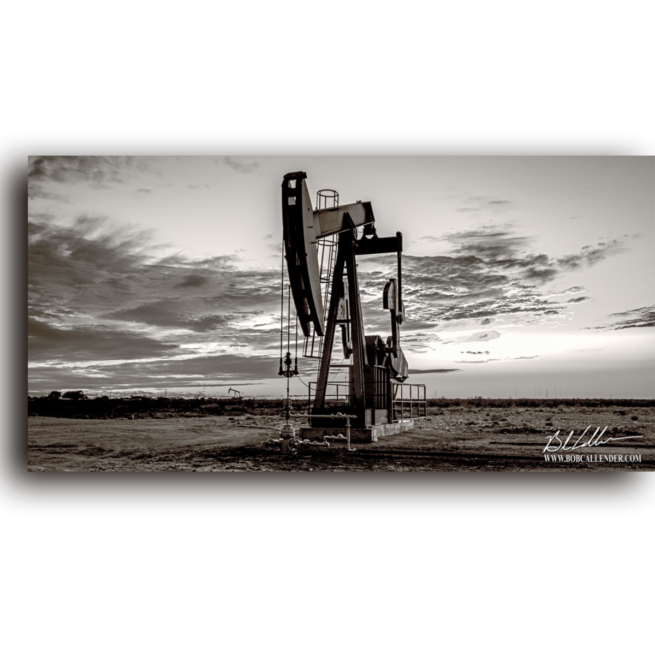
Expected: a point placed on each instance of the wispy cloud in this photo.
(570, 290)
(633, 318)
(418, 371)
(492, 244)
(488, 335)
(478, 204)
(239, 166)
(47, 175)
(158, 372)
(100, 293)
(476, 361)
(591, 255)
(192, 280)
(489, 273)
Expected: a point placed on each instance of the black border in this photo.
(335, 495)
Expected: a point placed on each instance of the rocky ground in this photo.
(452, 439)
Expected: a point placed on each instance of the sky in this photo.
(522, 276)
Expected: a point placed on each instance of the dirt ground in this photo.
(453, 439)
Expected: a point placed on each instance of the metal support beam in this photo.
(358, 399)
(336, 294)
(379, 245)
(401, 307)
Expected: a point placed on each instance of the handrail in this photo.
(340, 397)
(417, 399)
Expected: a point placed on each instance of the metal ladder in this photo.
(327, 255)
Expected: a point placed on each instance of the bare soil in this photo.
(450, 439)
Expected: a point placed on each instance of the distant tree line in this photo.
(75, 404)
(553, 403)
(70, 395)
(58, 404)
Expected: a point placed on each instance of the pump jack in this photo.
(375, 361)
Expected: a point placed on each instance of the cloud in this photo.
(490, 272)
(240, 167)
(633, 318)
(157, 373)
(418, 371)
(540, 275)
(164, 313)
(570, 290)
(489, 335)
(48, 342)
(591, 255)
(36, 190)
(97, 170)
(224, 262)
(192, 281)
(477, 204)
(475, 352)
(580, 299)
(85, 253)
(236, 366)
(490, 244)
(476, 361)
(420, 338)
(100, 292)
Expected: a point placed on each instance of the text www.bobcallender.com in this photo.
(573, 458)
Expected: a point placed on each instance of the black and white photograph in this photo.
(258, 314)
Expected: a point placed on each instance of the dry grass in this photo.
(451, 439)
